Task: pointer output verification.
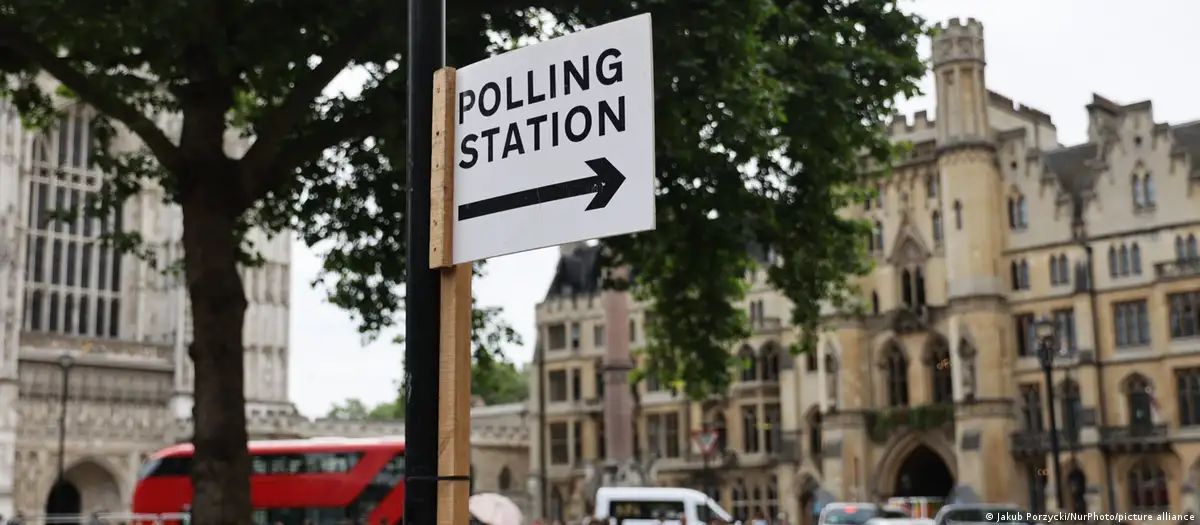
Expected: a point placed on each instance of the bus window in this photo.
(382, 485)
(645, 510)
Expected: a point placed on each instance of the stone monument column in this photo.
(618, 399)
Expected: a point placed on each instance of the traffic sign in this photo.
(706, 440)
(554, 143)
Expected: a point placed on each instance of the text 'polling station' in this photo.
(547, 129)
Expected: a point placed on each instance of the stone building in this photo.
(112, 329)
(935, 388)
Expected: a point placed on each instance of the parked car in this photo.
(841, 513)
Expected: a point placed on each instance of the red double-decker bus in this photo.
(315, 481)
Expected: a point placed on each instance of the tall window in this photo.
(1020, 274)
(958, 218)
(1072, 409)
(1147, 485)
(1036, 481)
(750, 443)
(942, 381)
(741, 503)
(74, 282)
(749, 364)
(1064, 320)
(671, 436)
(1031, 407)
(1184, 314)
(772, 426)
(654, 435)
(1139, 400)
(936, 221)
(560, 443)
(1060, 270)
(815, 434)
(1143, 191)
(1187, 384)
(876, 244)
(769, 362)
(1131, 324)
(1124, 260)
(1018, 213)
(577, 442)
(722, 429)
(1025, 325)
(931, 186)
(897, 377)
(912, 286)
(1185, 249)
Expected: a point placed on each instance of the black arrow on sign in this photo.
(604, 184)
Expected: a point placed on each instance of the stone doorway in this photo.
(85, 488)
(923, 474)
(64, 499)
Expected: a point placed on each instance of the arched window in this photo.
(1147, 485)
(906, 291)
(1064, 269)
(810, 361)
(1135, 259)
(1016, 275)
(1148, 190)
(1022, 213)
(1135, 183)
(1180, 249)
(1191, 247)
(920, 287)
(897, 377)
(1072, 409)
(958, 219)
(1031, 408)
(931, 186)
(769, 367)
(936, 220)
(1139, 397)
(814, 434)
(1054, 277)
(1012, 213)
(1124, 254)
(875, 303)
(942, 384)
(722, 434)
(505, 481)
(877, 237)
(1112, 261)
(879, 191)
(1024, 275)
(749, 364)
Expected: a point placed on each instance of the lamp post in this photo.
(1047, 341)
(65, 363)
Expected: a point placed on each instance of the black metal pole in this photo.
(1047, 356)
(426, 54)
(543, 472)
(62, 423)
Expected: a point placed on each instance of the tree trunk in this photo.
(221, 466)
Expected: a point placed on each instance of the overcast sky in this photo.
(1047, 54)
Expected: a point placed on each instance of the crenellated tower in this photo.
(976, 275)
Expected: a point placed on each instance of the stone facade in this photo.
(936, 390)
(123, 324)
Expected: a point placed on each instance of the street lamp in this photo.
(1047, 339)
(65, 362)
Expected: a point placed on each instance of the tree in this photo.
(497, 383)
(764, 113)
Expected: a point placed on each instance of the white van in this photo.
(644, 505)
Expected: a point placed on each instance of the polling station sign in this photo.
(554, 142)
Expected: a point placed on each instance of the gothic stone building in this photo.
(988, 225)
(124, 325)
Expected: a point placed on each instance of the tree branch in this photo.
(270, 136)
(297, 151)
(105, 101)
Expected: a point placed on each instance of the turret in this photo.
(958, 66)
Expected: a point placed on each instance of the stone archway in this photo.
(922, 474)
(907, 454)
(86, 487)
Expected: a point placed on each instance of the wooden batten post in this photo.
(454, 370)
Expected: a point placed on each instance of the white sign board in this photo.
(554, 143)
